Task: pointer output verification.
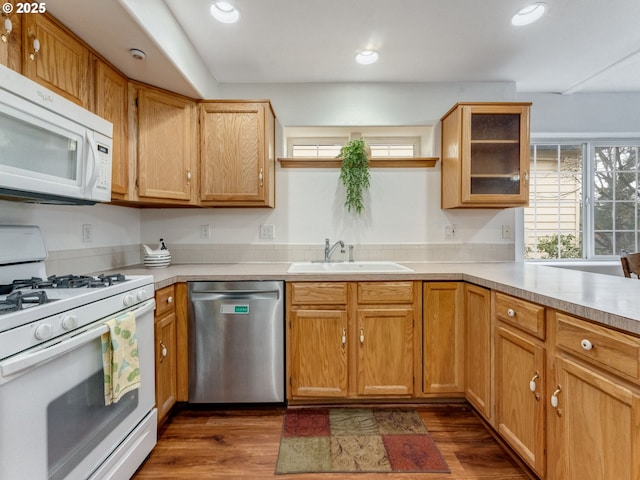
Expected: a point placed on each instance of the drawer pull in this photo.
(344, 337)
(586, 344)
(532, 382)
(511, 312)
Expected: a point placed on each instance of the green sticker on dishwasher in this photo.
(236, 309)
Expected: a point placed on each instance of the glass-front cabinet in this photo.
(485, 155)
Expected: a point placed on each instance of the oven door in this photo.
(54, 423)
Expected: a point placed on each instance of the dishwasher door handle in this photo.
(234, 292)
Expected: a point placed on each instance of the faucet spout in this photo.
(329, 249)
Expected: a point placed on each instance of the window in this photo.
(583, 200)
(329, 147)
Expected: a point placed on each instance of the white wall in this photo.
(61, 226)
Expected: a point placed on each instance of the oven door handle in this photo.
(22, 362)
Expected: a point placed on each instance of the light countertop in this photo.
(605, 299)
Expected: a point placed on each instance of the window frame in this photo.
(589, 145)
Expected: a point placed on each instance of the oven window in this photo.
(78, 420)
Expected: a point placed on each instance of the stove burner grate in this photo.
(17, 300)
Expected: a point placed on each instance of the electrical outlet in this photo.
(506, 232)
(267, 231)
(450, 231)
(205, 232)
(87, 233)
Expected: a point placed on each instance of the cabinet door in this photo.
(443, 337)
(478, 348)
(111, 104)
(11, 50)
(166, 355)
(495, 154)
(519, 365)
(385, 351)
(166, 145)
(594, 431)
(319, 353)
(237, 157)
(62, 64)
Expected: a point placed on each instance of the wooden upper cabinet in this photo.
(166, 147)
(485, 155)
(62, 63)
(11, 49)
(237, 153)
(111, 104)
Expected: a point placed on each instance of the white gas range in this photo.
(55, 424)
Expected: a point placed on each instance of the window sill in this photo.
(421, 162)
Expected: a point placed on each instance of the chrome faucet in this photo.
(328, 250)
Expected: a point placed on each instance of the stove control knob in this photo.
(128, 300)
(141, 296)
(69, 322)
(44, 331)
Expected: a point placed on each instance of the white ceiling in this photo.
(578, 46)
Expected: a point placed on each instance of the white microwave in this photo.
(51, 150)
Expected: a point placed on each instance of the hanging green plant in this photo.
(354, 173)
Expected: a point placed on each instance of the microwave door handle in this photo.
(93, 147)
(21, 363)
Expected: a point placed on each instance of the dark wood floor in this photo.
(243, 444)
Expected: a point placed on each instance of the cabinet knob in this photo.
(362, 336)
(261, 178)
(188, 176)
(554, 399)
(163, 350)
(36, 49)
(511, 312)
(532, 382)
(586, 344)
(344, 337)
(170, 300)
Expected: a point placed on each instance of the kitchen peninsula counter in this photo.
(606, 299)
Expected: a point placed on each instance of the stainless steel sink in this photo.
(347, 267)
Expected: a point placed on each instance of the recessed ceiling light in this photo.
(367, 57)
(529, 14)
(224, 12)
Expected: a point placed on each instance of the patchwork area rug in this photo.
(357, 440)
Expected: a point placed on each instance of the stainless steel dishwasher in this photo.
(236, 342)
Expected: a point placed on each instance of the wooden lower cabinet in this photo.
(520, 395)
(351, 339)
(594, 432)
(478, 348)
(443, 338)
(165, 352)
(385, 351)
(318, 365)
(593, 418)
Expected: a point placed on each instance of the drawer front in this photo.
(372, 293)
(318, 293)
(165, 300)
(522, 314)
(611, 350)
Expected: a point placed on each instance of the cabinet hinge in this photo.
(136, 102)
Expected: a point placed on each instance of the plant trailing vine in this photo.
(354, 173)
